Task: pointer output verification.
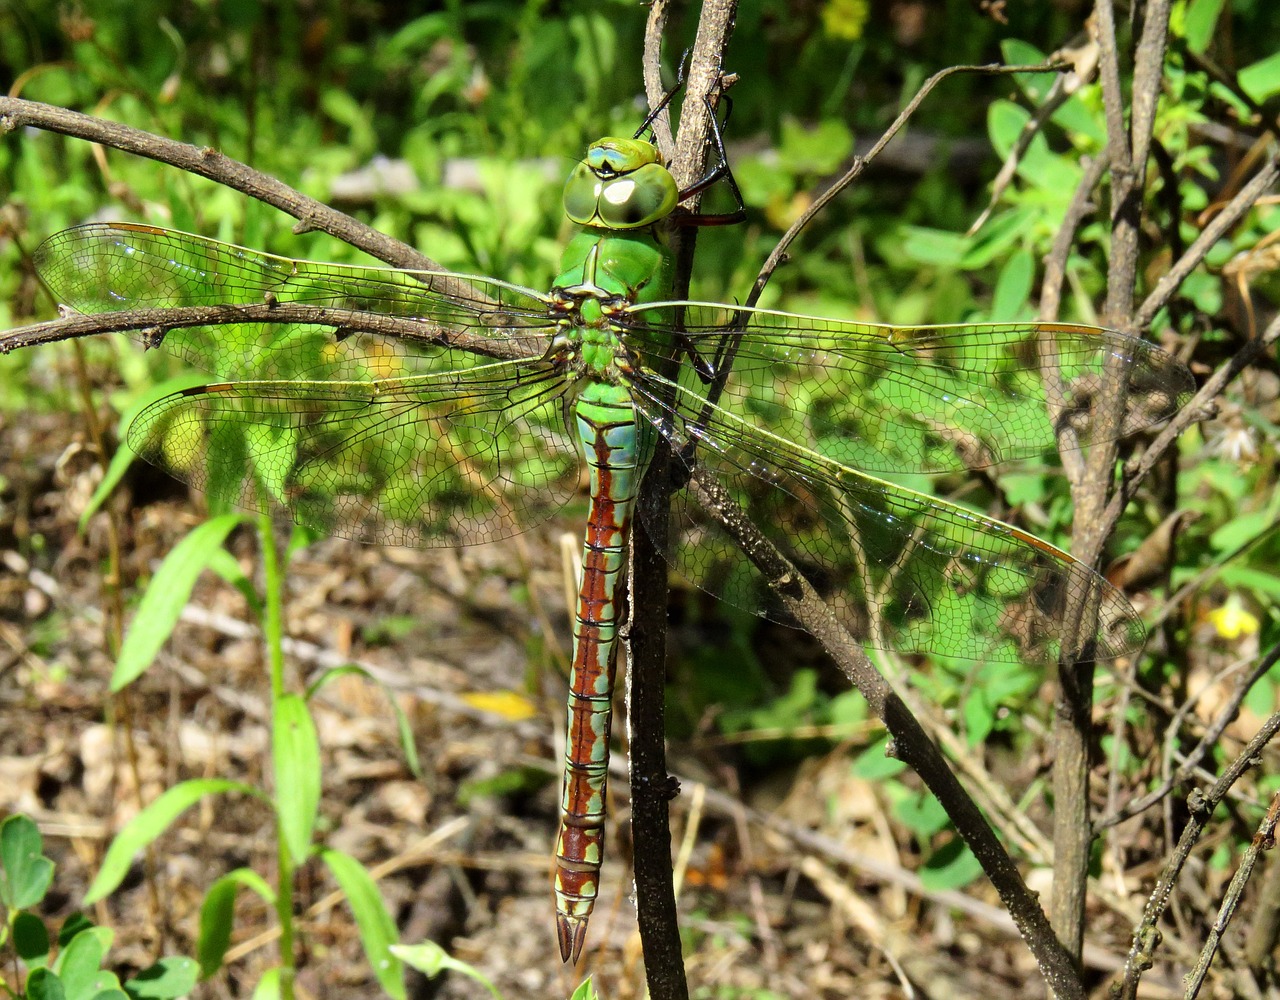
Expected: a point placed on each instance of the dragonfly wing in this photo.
(107, 267)
(904, 570)
(926, 399)
(457, 457)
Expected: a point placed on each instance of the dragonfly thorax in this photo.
(621, 184)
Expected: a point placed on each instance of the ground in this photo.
(793, 881)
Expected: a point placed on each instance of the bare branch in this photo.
(860, 163)
(1201, 806)
(1222, 223)
(206, 162)
(911, 743)
(153, 323)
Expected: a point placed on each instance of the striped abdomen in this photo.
(616, 456)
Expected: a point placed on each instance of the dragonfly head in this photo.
(621, 184)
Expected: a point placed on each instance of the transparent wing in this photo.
(904, 570)
(115, 266)
(459, 457)
(921, 399)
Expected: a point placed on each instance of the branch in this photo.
(1223, 221)
(1206, 744)
(1201, 404)
(151, 324)
(911, 743)
(207, 162)
(779, 253)
(651, 788)
(1200, 808)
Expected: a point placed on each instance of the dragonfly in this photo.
(472, 420)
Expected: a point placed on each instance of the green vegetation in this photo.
(484, 106)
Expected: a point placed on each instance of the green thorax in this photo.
(618, 194)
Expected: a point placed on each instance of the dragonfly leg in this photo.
(719, 172)
(681, 68)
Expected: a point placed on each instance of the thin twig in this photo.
(911, 744)
(860, 163)
(651, 787)
(1202, 403)
(1200, 808)
(1204, 746)
(207, 162)
(1222, 223)
(150, 324)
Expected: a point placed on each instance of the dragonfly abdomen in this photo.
(616, 456)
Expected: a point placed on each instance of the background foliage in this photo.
(469, 114)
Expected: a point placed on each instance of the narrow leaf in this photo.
(216, 916)
(167, 595)
(149, 824)
(407, 745)
(377, 929)
(431, 960)
(585, 991)
(296, 754)
(228, 568)
(116, 468)
(268, 987)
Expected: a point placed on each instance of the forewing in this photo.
(117, 266)
(904, 570)
(459, 457)
(922, 399)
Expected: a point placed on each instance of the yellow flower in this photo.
(1233, 620)
(845, 18)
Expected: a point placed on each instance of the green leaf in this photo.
(228, 568)
(407, 744)
(585, 991)
(933, 246)
(31, 940)
(268, 987)
(79, 964)
(952, 867)
(431, 960)
(819, 150)
(979, 718)
(1263, 584)
(1199, 24)
(167, 595)
(377, 929)
(43, 984)
(171, 977)
(72, 926)
(1240, 530)
(874, 763)
(922, 814)
(1013, 287)
(111, 994)
(118, 466)
(216, 914)
(25, 873)
(1004, 124)
(149, 824)
(1261, 80)
(296, 755)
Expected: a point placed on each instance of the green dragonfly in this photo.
(408, 438)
